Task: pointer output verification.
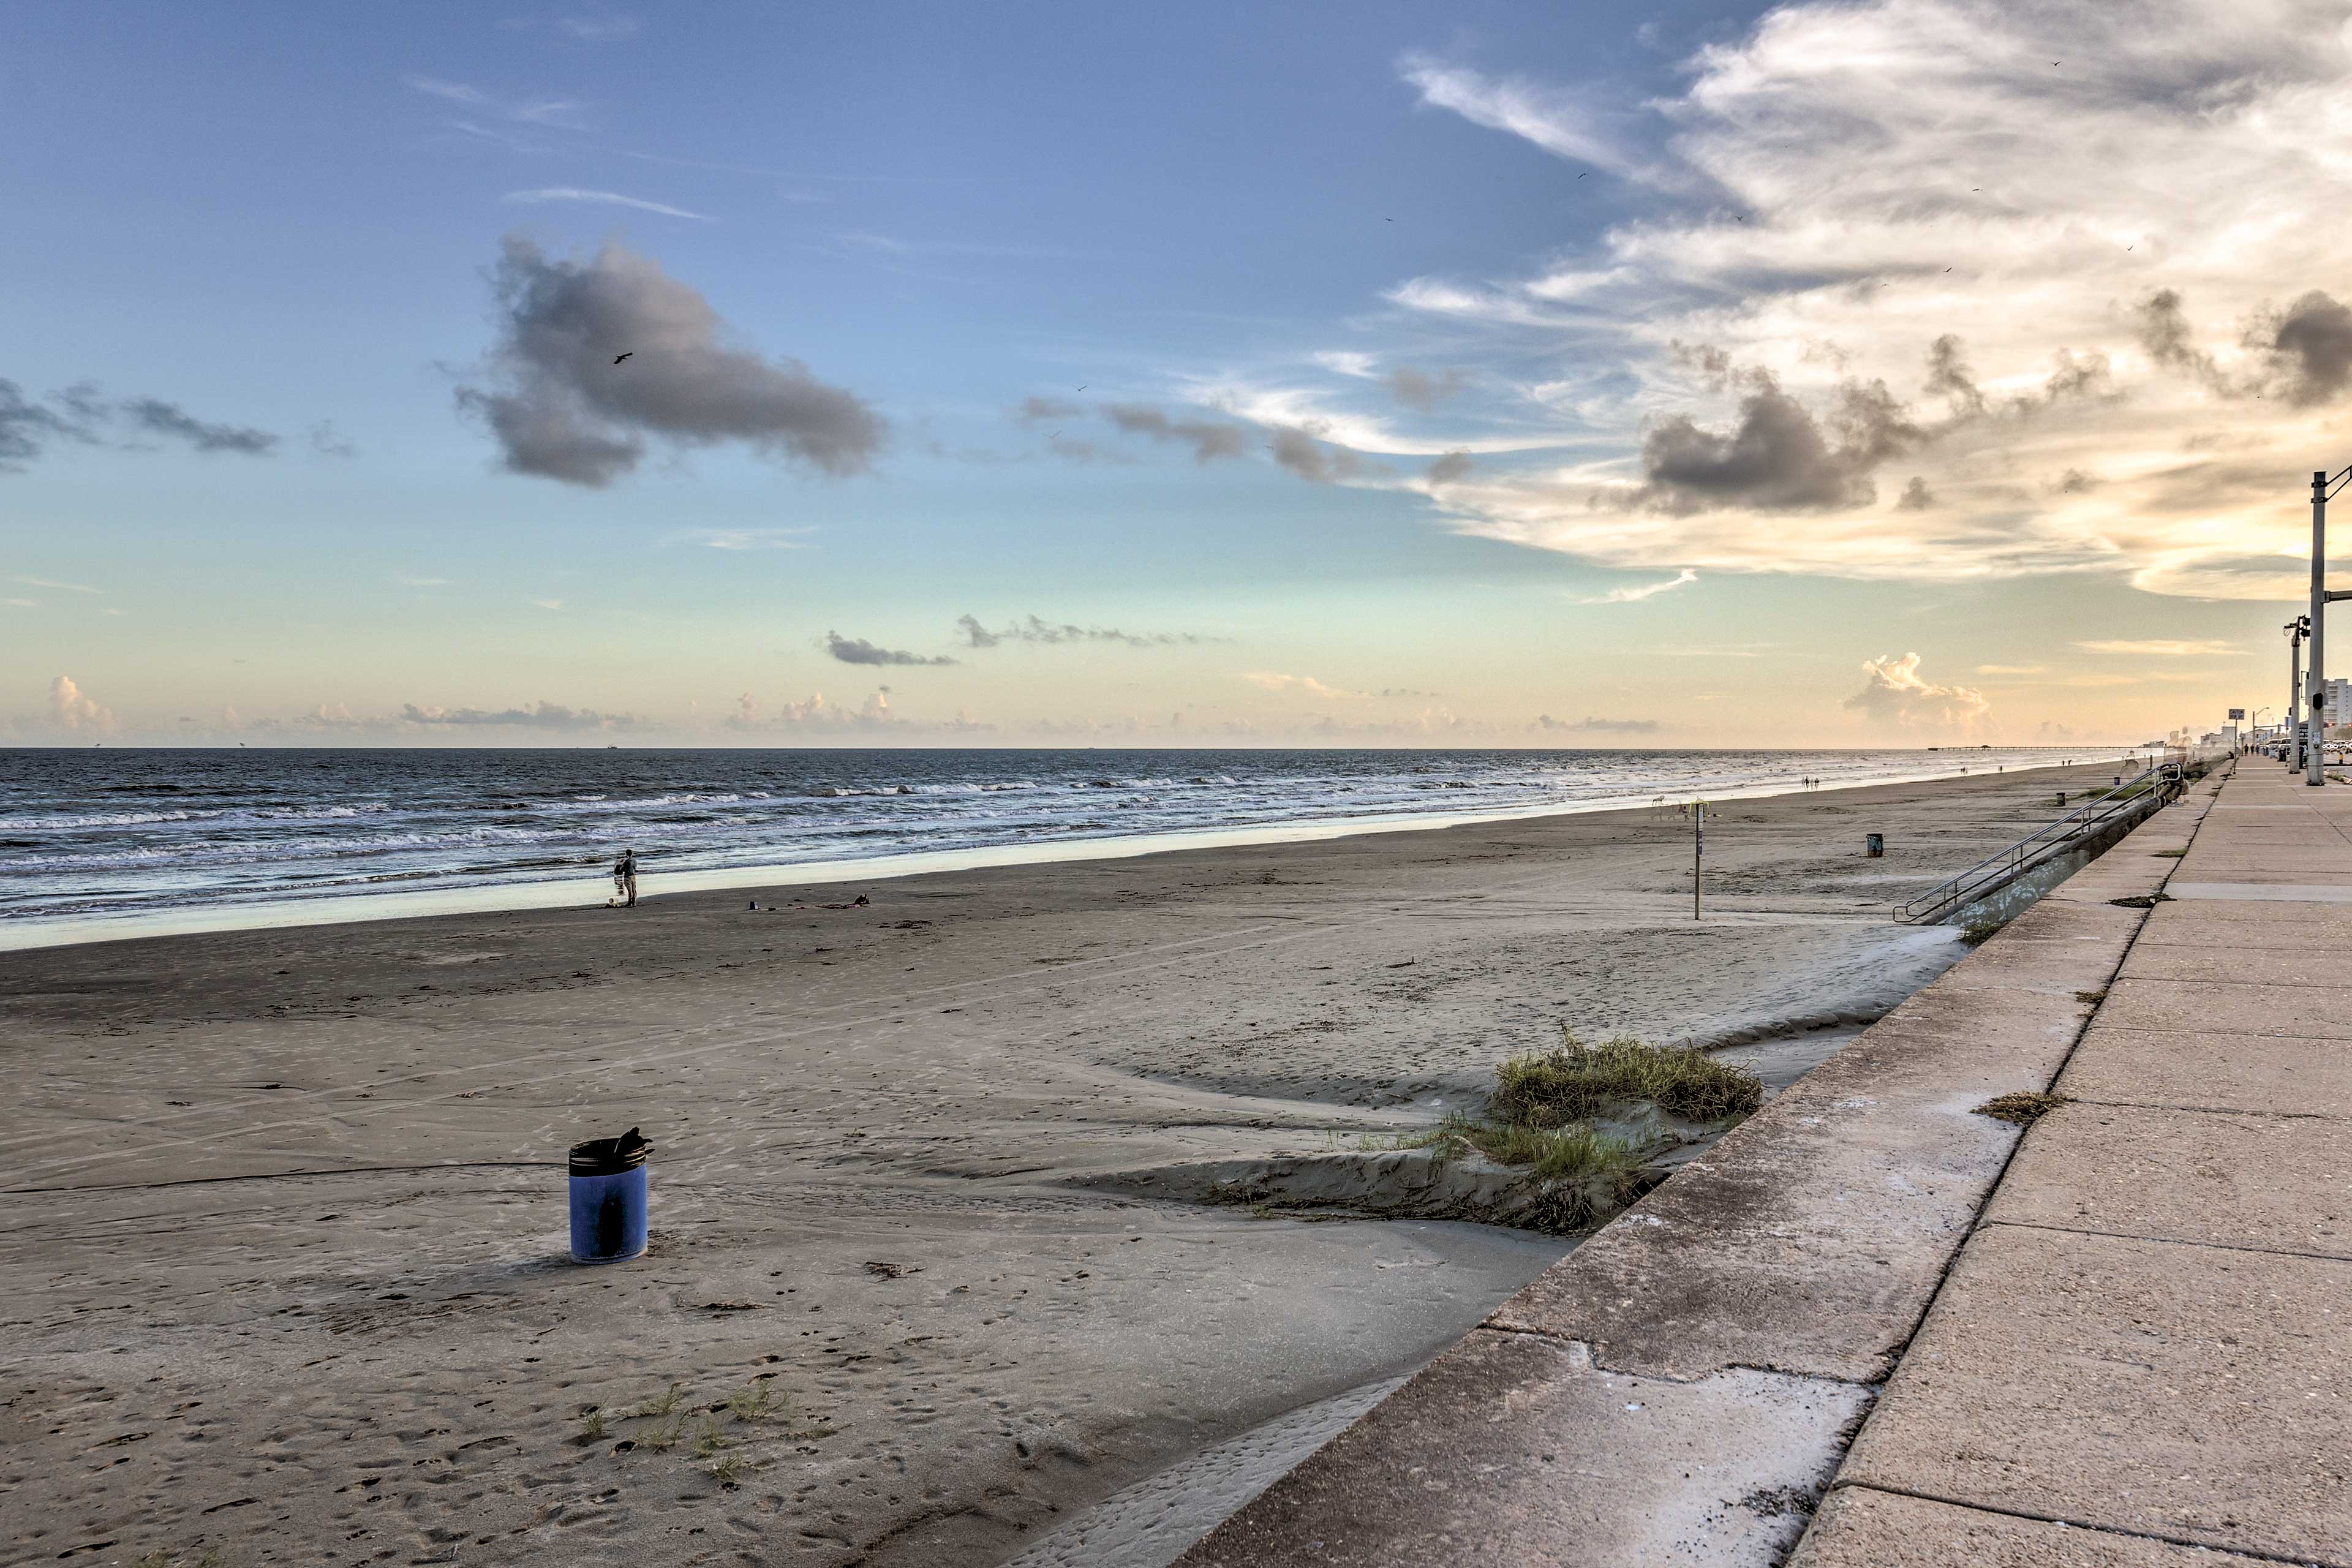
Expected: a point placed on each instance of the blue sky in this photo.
(1638, 271)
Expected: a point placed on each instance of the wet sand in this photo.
(287, 1206)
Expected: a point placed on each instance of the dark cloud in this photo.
(1450, 468)
(25, 428)
(2074, 483)
(1310, 460)
(857, 650)
(1209, 439)
(1034, 410)
(1031, 629)
(1778, 457)
(1419, 389)
(79, 414)
(330, 442)
(156, 417)
(1916, 496)
(1608, 726)
(2309, 348)
(538, 716)
(2075, 375)
(560, 408)
(1949, 376)
(2161, 325)
(1712, 364)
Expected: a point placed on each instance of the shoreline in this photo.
(556, 893)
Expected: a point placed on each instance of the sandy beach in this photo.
(287, 1206)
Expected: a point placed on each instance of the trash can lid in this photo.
(610, 1156)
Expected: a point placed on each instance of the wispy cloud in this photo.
(79, 414)
(424, 583)
(1031, 629)
(52, 583)
(2159, 648)
(546, 603)
(559, 112)
(1648, 590)
(605, 198)
(1603, 726)
(748, 538)
(600, 26)
(1273, 681)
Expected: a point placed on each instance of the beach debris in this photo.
(890, 1270)
(1408, 963)
(2024, 1110)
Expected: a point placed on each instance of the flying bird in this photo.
(1586, 172)
(618, 358)
(1083, 388)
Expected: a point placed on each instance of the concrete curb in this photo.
(1682, 1387)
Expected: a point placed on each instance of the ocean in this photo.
(104, 842)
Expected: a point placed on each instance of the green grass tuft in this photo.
(1574, 1082)
(755, 1401)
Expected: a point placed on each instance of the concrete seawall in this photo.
(1683, 1388)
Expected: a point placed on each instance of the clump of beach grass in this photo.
(755, 1401)
(1575, 1082)
(592, 1424)
(664, 1434)
(709, 1441)
(728, 1469)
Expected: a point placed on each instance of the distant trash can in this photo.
(1873, 845)
(608, 1198)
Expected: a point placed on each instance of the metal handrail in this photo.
(2006, 865)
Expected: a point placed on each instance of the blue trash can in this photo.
(608, 1198)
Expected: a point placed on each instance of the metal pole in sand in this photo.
(2315, 765)
(1698, 851)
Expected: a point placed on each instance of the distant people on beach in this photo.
(624, 880)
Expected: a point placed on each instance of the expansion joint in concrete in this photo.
(2027, 1515)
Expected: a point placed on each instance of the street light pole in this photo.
(2294, 696)
(2314, 762)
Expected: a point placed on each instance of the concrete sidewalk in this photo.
(2145, 1349)
(1682, 1387)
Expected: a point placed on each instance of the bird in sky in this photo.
(1586, 172)
(1083, 388)
(618, 358)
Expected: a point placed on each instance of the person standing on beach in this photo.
(624, 879)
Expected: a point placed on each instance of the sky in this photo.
(1892, 373)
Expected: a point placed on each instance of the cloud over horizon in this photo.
(1895, 694)
(78, 413)
(560, 408)
(857, 650)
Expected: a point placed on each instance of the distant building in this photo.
(2339, 700)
